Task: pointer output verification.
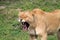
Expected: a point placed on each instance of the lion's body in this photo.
(43, 22)
(52, 23)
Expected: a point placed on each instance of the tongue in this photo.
(24, 27)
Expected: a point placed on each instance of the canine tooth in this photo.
(23, 20)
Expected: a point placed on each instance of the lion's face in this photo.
(28, 17)
(25, 18)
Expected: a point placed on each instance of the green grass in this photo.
(9, 28)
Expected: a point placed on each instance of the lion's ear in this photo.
(37, 11)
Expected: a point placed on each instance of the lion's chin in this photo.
(25, 26)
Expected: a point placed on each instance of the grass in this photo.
(10, 29)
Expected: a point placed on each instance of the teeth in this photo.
(23, 20)
(19, 20)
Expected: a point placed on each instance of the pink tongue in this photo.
(24, 27)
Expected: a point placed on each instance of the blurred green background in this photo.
(10, 29)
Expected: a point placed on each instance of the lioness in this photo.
(40, 23)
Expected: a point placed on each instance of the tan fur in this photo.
(43, 22)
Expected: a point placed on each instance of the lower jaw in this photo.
(25, 29)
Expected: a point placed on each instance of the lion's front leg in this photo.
(44, 36)
(33, 37)
(41, 32)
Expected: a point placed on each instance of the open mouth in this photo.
(25, 25)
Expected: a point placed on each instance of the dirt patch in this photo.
(2, 7)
